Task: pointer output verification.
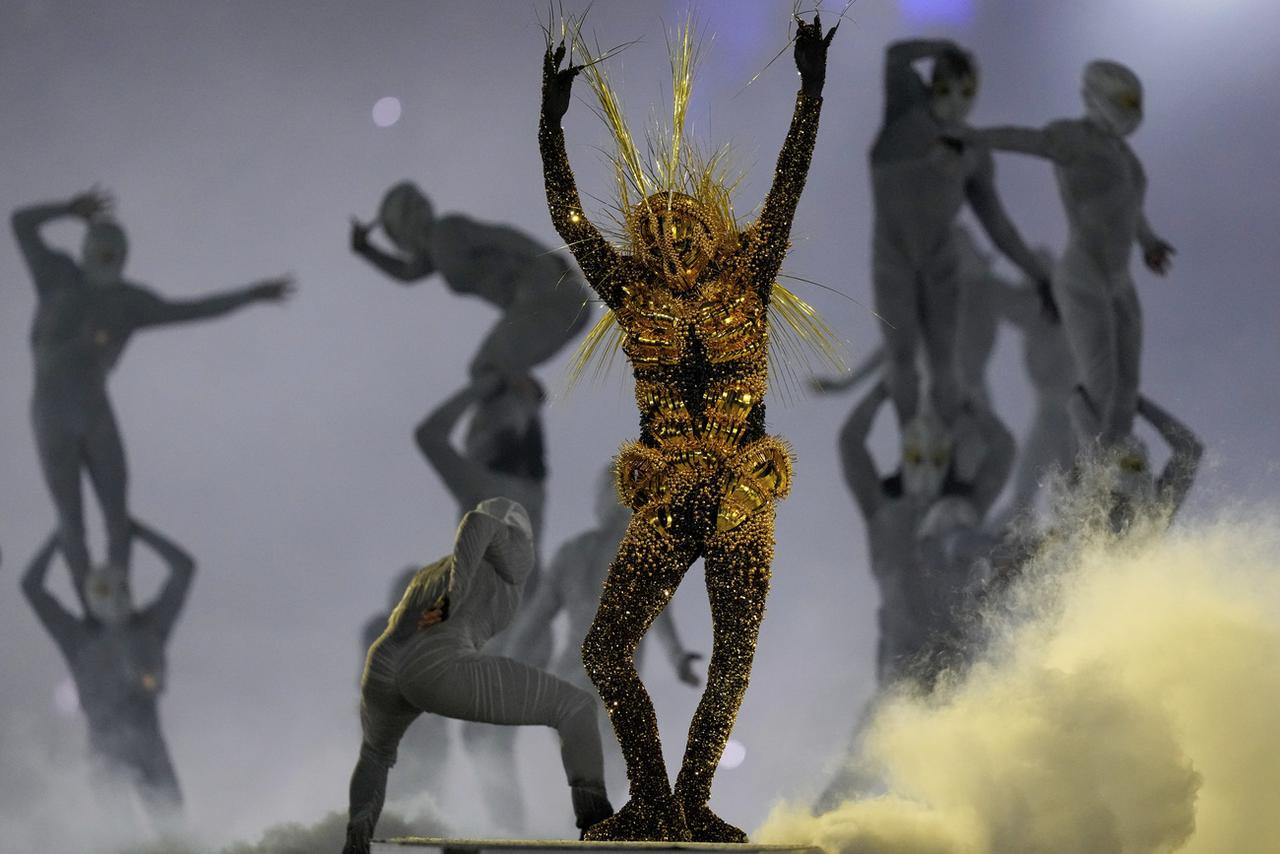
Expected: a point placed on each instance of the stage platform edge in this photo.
(399, 844)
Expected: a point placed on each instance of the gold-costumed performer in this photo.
(691, 297)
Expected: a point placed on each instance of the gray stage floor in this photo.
(405, 845)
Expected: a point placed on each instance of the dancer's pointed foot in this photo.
(642, 819)
(706, 826)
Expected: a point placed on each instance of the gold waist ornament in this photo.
(650, 480)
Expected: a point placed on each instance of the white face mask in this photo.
(106, 593)
(1112, 97)
(406, 217)
(102, 253)
(951, 99)
(1131, 474)
(926, 456)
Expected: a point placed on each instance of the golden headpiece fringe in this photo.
(674, 165)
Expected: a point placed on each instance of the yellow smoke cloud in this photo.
(1135, 710)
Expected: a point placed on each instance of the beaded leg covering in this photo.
(651, 561)
(650, 564)
(737, 571)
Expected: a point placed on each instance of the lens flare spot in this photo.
(386, 112)
(735, 753)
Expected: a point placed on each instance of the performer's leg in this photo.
(1050, 443)
(491, 689)
(104, 457)
(537, 325)
(384, 717)
(852, 778)
(939, 311)
(59, 451)
(644, 575)
(737, 571)
(1088, 320)
(1128, 316)
(897, 299)
(157, 781)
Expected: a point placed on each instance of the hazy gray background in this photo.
(276, 445)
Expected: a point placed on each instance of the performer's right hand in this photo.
(557, 83)
(88, 205)
(360, 236)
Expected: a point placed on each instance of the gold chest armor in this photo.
(728, 318)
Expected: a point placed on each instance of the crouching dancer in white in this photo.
(429, 660)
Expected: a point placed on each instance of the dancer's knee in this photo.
(604, 653)
(578, 704)
(379, 755)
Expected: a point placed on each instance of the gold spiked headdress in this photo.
(674, 208)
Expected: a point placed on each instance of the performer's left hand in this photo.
(431, 617)
(684, 670)
(811, 54)
(557, 83)
(1158, 257)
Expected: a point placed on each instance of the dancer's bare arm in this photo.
(1174, 483)
(682, 660)
(1157, 253)
(769, 237)
(466, 479)
(28, 221)
(61, 624)
(149, 309)
(903, 88)
(407, 270)
(164, 611)
(980, 191)
(867, 368)
(1050, 142)
(859, 467)
(601, 264)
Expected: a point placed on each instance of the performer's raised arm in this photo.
(163, 612)
(465, 478)
(60, 623)
(871, 365)
(27, 222)
(980, 190)
(903, 86)
(859, 466)
(770, 236)
(150, 309)
(1044, 142)
(599, 261)
(1156, 251)
(1179, 473)
(402, 269)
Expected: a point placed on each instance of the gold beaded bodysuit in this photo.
(691, 301)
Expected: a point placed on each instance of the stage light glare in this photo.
(735, 753)
(386, 112)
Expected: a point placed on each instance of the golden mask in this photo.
(676, 234)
